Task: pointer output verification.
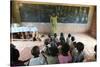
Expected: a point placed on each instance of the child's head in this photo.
(53, 51)
(80, 46)
(69, 35)
(61, 34)
(49, 35)
(46, 42)
(35, 51)
(53, 44)
(52, 38)
(55, 35)
(14, 54)
(65, 48)
(72, 38)
(75, 44)
(12, 46)
(53, 14)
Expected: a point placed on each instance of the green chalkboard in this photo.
(41, 13)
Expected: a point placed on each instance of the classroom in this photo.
(43, 33)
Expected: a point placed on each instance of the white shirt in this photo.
(37, 61)
(79, 57)
(68, 40)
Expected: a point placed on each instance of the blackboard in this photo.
(41, 13)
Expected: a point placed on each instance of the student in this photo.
(68, 39)
(65, 56)
(59, 46)
(28, 35)
(71, 44)
(72, 38)
(47, 42)
(23, 35)
(14, 58)
(74, 51)
(55, 35)
(12, 46)
(19, 35)
(80, 55)
(52, 55)
(37, 59)
(46, 45)
(14, 55)
(16, 35)
(53, 43)
(49, 37)
(62, 39)
(42, 35)
(36, 37)
(55, 38)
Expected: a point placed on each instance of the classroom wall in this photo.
(92, 31)
(45, 27)
(63, 27)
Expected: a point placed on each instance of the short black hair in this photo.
(61, 34)
(75, 44)
(12, 46)
(65, 48)
(46, 42)
(72, 38)
(53, 51)
(35, 51)
(62, 37)
(69, 35)
(55, 34)
(14, 54)
(80, 46)
(49, 35)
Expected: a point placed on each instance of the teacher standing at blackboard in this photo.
(53, 22)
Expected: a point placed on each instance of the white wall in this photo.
(45, 27)
(63, 27)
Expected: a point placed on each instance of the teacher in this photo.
(53, 23)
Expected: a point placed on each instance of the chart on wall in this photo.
(41, 13)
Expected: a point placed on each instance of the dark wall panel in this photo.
(41, 13)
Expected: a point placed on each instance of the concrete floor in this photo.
(25, 47)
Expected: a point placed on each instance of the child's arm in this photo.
(44, 56)
(26, 60)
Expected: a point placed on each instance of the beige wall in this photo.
(73, 28)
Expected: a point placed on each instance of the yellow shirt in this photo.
(53, 21)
